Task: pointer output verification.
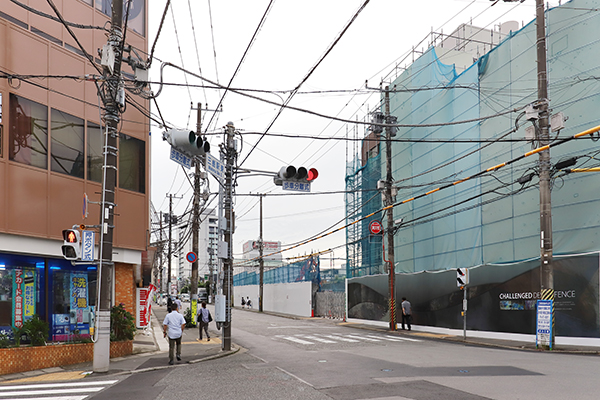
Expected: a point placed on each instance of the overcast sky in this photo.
(210, 39)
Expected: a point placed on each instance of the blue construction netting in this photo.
(300, 271)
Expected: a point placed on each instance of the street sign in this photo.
(87, 245)
(544, 323)
(215, 167)
(375, 227)
(181, 158)
(191, 256)
(295, 186)
(84, 211)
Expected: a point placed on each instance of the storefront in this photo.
(58, 292)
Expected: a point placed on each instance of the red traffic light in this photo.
(312, 174)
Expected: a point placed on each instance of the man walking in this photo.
(173, 327)
(406, 312)
(204, 318)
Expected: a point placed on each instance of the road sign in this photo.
(87, 245)
(215, 167)
(375, 227)
(544, 323)
(181, 158)
(191, 256)
(295, 186)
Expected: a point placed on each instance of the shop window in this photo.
(95, 159)
(21, 290)
(72, 300)
(67, 143)
(28, 132)
(132, 163)
(137, 13)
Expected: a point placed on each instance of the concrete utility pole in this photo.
(230, 155)
(169, 256)
(110, 96)
(196, 219)
(161, 247)
(543, 135)
(389, 181)
(261, 262)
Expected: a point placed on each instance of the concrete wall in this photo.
(286, 298)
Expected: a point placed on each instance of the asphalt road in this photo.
(282, 358)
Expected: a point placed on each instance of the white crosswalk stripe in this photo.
(333, 338)
(53, 391)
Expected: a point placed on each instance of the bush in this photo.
(188, 318)
(4, 341)
(37, 330)
(122, 324)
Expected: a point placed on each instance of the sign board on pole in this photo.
(191, 256)
(215, 167)
(295, 186)
(375, 227)
(543, 331)
(181, 158)
(87, 245)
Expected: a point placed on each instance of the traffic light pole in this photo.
(196, 222)
(230, 154)
(390, 212)
(111, 118)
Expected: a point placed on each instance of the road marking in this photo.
(406, 338)
(57, 385)
(293, 339)
(392, 339)
(342, 339)
(317, 339)
(65, 390)
(363, 338)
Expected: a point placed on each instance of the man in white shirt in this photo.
(173, 327)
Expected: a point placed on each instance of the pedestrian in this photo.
(248, 302)
(179, 305)
(406, 312)
(203, 319)
(169, 303)
(173, 328)
(243, 302)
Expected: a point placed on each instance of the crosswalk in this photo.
(336, 338)
(53, 391)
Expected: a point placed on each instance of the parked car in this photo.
(185, 297)
(202, 294)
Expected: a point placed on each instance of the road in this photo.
(283, 358)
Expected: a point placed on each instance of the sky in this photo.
(209, 38)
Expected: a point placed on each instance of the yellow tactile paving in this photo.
(204, 341)
(56, 376)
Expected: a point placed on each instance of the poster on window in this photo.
(79, 304)
(24, 296)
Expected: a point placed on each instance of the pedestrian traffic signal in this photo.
(187, 142)
(71, 247)
(462, 277)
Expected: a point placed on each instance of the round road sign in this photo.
(375, 227)
(191, 256)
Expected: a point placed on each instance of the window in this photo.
(132, 163)
(1, 125)
(28, 132)
(95, 159)
(66, 132)
(137, 13)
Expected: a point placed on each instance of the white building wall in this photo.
(286, 298)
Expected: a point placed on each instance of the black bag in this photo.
(209, 317)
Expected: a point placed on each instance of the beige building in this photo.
(51, 155)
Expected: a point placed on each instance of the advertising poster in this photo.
(24, 296)
(79, 316)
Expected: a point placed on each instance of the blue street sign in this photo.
(296, 186)
(215, 167)
(181, 158)
(87, 245)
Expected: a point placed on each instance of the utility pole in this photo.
(230, 155)
(110, 94)
(162, 247)
(547, 269)
(196, 222)
(390, 211)
(260, 254)
(170, 250)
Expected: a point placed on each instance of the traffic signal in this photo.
(71, 247)
(462, 277)
(187, 142)
(291, 174)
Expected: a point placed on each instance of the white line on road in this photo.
(54, 385)
(342, 338)
(293, 339)
(363, 338)
(55, 398)
(392, 339)
(51, 391)
(317, 339)
(405, 338)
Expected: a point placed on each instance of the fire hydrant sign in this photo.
(544, 323)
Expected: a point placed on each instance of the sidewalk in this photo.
(150, 352)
